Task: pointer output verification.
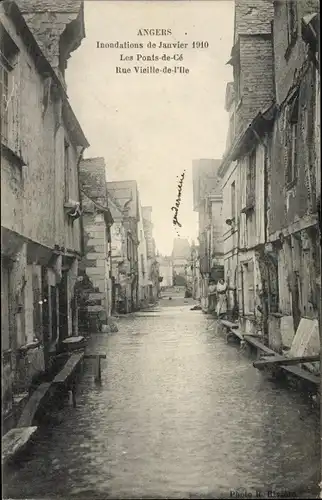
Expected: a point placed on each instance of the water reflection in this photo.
(179, 413)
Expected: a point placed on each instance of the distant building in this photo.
(153, 265)
(165, 271)
(127, 196)
(120, 263)
(207, 201)
(143, 267)
(180, 260)
(95, 267)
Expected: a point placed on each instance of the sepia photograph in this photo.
(160, 249)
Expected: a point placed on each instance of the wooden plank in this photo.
(299, 372)
(14, 440)
(228, 324)
(284, 360)
(236, 333)
(32, 405)
(69, 368)
(256, 343)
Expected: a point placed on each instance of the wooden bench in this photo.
(30, 410)
(66, 376)
(15, 440)
(254, 342)
(234, 333)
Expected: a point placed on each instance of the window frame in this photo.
(10, 111)
(291, 142)
(233, 200)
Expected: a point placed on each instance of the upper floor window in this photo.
(66, 167)
(233, 199)
(292, 21)
(251, 179)
(9, 90)
(291, 142)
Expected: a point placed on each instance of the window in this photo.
(251, 179)
(142, 265)
(66, 166)
(8, 91)
(291, 13)
(291, 142)
(233, 200)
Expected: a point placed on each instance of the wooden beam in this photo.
(259, 345)
(233, 331)
(32, 405)
(14, 440)
(69, 368)
(283, 360)
(303, 374)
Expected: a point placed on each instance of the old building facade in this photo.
(270, 173)
(95, 273)
(294, 178)
(126, 195)
(40, 221)
(180, 260)
(207, 199)
(152, 263)
(165, 271)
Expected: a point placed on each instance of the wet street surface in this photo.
(179, 414)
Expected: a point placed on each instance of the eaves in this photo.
(249, 136)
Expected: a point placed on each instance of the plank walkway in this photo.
(29, 412)
(259, 345)
(69, 368)
(284, 360)
(303, 374)
(15, 440)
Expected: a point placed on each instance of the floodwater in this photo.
(179, 414)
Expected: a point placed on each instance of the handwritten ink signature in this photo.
(175, 209)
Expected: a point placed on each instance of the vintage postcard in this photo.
(160, 249)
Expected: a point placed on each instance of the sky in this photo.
(149, 127)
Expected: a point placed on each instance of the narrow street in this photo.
(179, 414)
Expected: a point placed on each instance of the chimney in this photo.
(58, 27)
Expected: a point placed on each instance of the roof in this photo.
(42, 64)
(244, 142)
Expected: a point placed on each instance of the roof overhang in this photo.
(246, 140)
